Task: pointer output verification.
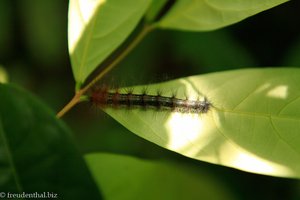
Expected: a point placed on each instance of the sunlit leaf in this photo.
(128, 178)
(154, 9)
(253, 124)
(37, 153)
(98, 27)
(200, 15)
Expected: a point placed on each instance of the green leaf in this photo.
(291, 57)
(253, 124)
(34, 14)
(200, 15)
(124, 177)
(37, 153)
(214, 50)
(154, 9)
(96, 28)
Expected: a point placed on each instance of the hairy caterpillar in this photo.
(103, 97)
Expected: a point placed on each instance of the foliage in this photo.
(37, 152)
(252, 125)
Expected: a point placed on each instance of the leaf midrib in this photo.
(268, 115)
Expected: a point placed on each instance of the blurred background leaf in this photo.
(3, 75)
(292, 56)
(6, 19)
(37, 150)
(136, 179)
(35, 16)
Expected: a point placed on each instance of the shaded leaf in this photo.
(124, 177)
(211, 51)
(96, 28)
(37, 153)
(292, 54)
(48, 41)
(199, 15)
(253, 125)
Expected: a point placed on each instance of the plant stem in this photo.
(121, 56)
(72, 103)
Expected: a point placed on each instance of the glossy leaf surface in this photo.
(205, 15)
(97, 28)
(253, 124)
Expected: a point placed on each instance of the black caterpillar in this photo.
(103, 97)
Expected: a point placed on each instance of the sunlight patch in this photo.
(184, 129)
(279, 92)
(247, 161)
(80, 14)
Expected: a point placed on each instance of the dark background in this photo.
(33, 51)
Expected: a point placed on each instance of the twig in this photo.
(121, 56)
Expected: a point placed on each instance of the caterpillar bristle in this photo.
(105, 97)
(129, 90)
(174, 94)
(145, 90)
(159, 92)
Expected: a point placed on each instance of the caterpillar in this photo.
(103, 97)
